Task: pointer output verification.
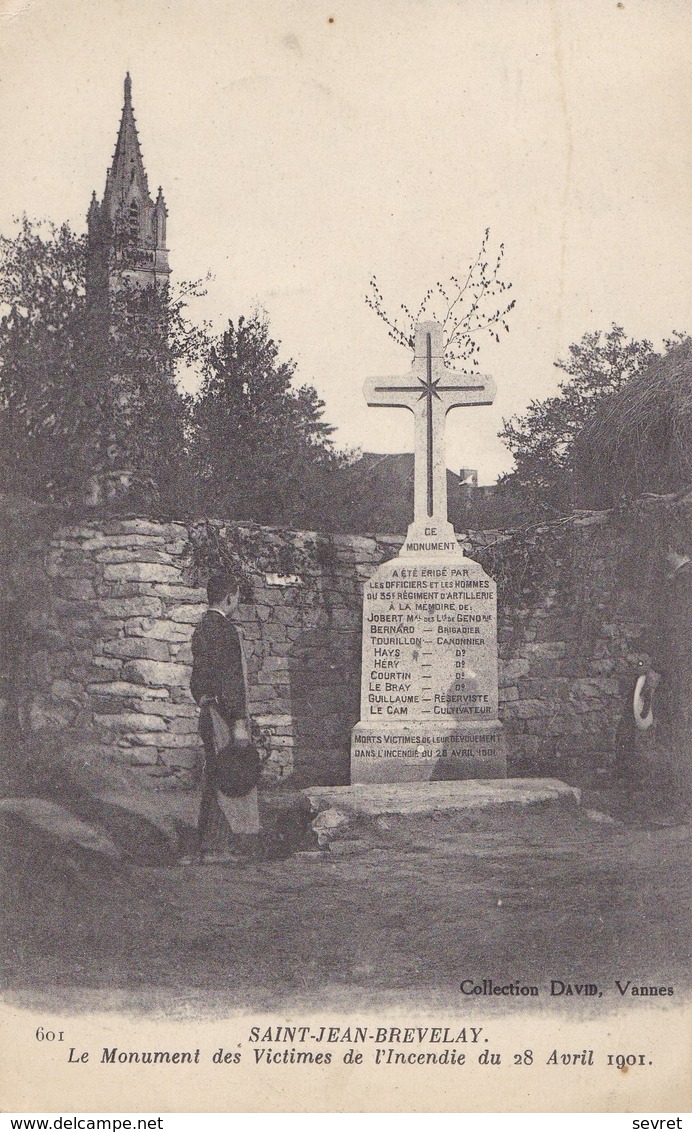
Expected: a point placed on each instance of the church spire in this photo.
(126, 177)
(128, 228)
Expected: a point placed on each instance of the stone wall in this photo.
(104, 652)
(568, 659)
(106, 657)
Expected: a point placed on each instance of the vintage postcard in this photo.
(345, 432)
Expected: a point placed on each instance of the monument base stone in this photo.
(383, 816)
(427, 752)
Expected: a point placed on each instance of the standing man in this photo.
(218, 679)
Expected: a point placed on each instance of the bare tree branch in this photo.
(463, 308)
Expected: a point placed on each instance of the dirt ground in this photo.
(400, 917)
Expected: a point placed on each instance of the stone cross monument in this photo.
(429, 696)
(430, 391)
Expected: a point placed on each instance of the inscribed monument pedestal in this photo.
(429, 692)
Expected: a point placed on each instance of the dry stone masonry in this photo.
(108, 657)
(125, 615)
(103, 615)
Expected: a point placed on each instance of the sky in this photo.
(305, 146)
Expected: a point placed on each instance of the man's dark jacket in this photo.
(217, 666)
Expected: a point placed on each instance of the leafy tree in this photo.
(41, 335)
(85, 390)
(261, 448)
(541, 439)
(145, 424)
(465, 306)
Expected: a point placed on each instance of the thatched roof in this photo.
(640, 439)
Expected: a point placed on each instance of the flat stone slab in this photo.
(373, 799)
(58, 821)
(351, 818)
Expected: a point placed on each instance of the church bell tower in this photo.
(127, 229)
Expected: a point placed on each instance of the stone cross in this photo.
(430, 391)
